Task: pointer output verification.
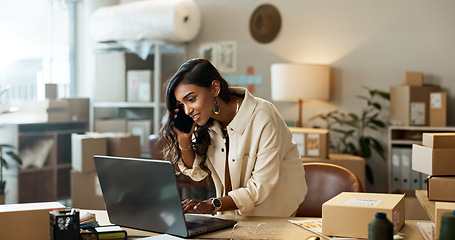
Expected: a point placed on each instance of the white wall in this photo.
(366, 43)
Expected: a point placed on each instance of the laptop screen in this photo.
(141, 194)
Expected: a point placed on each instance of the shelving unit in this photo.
(50, 182)
(140, 110)
(402, 137)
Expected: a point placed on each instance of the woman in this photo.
(240, 140)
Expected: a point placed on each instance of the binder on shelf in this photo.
(415, 180)
(405, 157)
(396, 169)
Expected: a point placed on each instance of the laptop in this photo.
(143, 194)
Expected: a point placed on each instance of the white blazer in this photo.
(266, 170)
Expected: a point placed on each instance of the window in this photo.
(34, 48)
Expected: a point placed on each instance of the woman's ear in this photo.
(215, 88)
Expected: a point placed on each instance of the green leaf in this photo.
(365, 146)
(377, 106)
(7, 145)
(384, 95)
(316, 117)
(378, 148)
(378, 123)
(369, 174)
(15, 157)
(353, 116)
(5, 164)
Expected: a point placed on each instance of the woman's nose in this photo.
(187, 110)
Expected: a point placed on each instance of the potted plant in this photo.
(6, 150)
(352, 133)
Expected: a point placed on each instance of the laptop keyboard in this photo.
(193, 225)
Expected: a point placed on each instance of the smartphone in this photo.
(183, 122)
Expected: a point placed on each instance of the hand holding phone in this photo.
(183, 122)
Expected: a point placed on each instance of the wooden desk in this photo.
(272, 228)
(428, 206)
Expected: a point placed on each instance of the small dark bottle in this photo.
(380, 228)
(447, 230)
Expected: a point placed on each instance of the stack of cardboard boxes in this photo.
(435, 158)
(85, 188)
(142, 128)
(416, 104)
(53, 109)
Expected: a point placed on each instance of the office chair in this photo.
(325, 181)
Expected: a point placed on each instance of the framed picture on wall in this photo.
(223, 55)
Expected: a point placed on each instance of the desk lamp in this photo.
(300, 82)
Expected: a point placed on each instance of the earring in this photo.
(216, 108)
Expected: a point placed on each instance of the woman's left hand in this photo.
(190, 205)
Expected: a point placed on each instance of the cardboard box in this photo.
(413, 78)
(409, 105)
(26, 220)
(438, 109)
(438, 140)
(78, 108)
(51, 110)
(141, 86)
(441, 208)
(348, 213)
(50, 90)
(311, 142)
(83, 148)
(441, 188)
(86, 191)
(111, 125)
(435, 162)
(141, 128)
(123, 145)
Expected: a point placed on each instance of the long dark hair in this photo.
(199, 72)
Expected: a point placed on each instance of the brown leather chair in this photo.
(156, 147)
(325, 181)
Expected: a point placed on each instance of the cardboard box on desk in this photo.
(441, 208)
(86, 191)
(348, 213)
(311, 142)
(409, 105)
(26, 220)
(51, 110)
(441, 188)
(433, 161)
(84, 147)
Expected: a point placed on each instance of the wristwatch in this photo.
(216, 202)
